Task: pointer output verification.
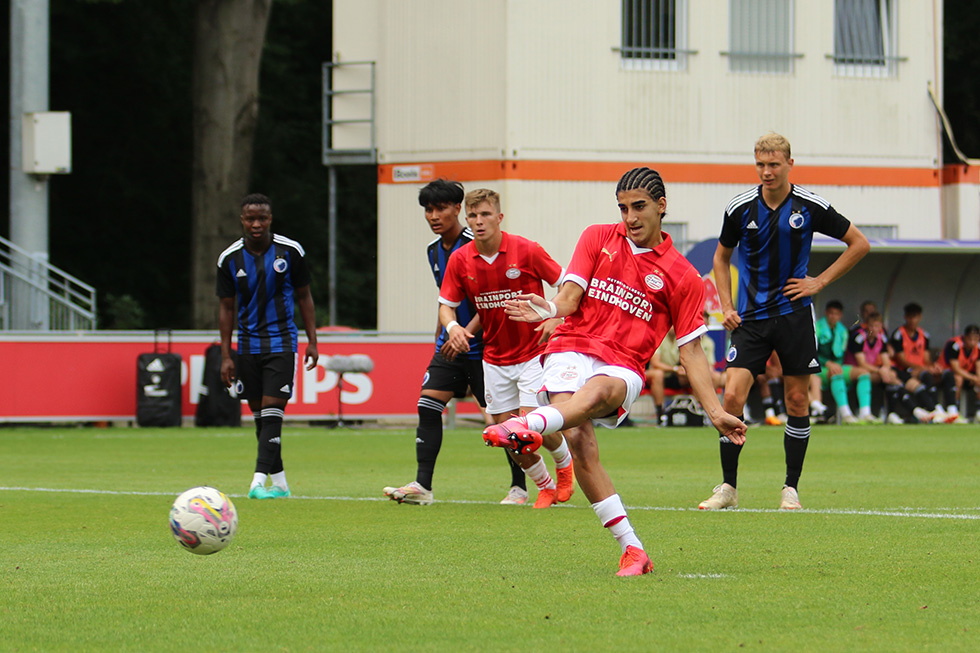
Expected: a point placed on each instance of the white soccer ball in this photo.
(203, 520)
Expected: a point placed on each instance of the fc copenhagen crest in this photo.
(280, 265)
(732, 353)
(796, 220)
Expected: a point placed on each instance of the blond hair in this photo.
(773, 142)
(481, 195)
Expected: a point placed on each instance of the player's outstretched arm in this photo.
(699, 376)
(304, 299)
(721, 265)
(534, 308)
(226, 320)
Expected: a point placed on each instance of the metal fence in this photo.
(37, 296)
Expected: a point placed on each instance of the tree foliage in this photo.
(961, 63)
(122, 219)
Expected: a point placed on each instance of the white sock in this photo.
(612, 515)
(279, 480)
(538, 472)
(561, 455)
(865, 411)
(258, 479)
(818, 406)
(545, 420)
(845, 411)
(953, 409)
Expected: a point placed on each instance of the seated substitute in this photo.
(832, 340)
(914, 367)
(666, 372)
(867, 350)
(960, 357)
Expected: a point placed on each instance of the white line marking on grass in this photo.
(711, 576)
(904, 512)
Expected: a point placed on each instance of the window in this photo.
(678, 233)
(880, 231)
(864, 37)
(654, 32)
(761, 36)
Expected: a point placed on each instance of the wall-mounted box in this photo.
(47, 142)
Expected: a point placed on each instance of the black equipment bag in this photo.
(216, 405)
(158, 400)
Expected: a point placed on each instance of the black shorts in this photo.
(791, 336)
(455, 376)
(265, 375)
(927, 379)
(671, 382)
(903, 375)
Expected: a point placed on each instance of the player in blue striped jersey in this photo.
(266, 273)
(773, 225)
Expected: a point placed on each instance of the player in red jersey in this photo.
(490, 269)
(624, 288)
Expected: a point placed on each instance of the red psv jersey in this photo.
(519, 266)
(633, 296)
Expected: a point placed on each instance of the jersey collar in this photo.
(659, 250)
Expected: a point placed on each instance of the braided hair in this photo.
(644, 179)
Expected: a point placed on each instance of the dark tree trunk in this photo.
(228, 40)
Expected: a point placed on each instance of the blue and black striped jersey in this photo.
(438, 260)
(774, 246)
(264, 285)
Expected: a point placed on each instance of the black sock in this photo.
(269, 460)
(729, 459)
(948, 382)
(777, 391)
(517, 476)
(428, 439)
(795, 440)
(257, 416)
(924, 398)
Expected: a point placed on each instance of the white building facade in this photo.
(549, 102)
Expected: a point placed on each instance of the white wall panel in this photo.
(555, 213)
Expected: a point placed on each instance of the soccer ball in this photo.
(203, 520)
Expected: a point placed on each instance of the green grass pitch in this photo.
(886, 556)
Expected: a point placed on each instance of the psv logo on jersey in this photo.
(654, 281)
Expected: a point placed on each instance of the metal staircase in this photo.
(37, 296)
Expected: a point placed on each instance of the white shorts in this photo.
(567, 371)
(509, 387)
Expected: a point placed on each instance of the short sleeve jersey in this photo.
(774, 246)
(913, 345)
(438, 260)
(633, 295)
(859, 343)
(520, 266)
(955, 350)
(264, 285)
